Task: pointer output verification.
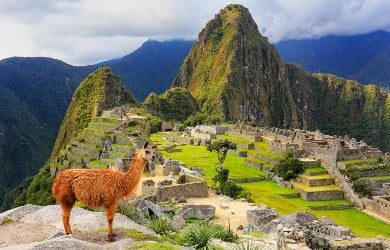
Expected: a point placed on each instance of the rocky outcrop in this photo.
(40, 227)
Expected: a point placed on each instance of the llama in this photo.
(99, 187)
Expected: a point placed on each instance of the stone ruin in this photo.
(302, 230)
(185, 186)
(379, 205)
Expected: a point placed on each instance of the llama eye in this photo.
(147, 152)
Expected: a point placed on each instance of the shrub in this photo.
(289, 168)
(232, 189)
(155, 125)
(161, 226)
(362, 187)
(199, 235)
(129, 210)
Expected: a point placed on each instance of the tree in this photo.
(289, 167)
(221, 147)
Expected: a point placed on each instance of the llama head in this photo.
(148, 151)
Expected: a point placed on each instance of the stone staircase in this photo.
(317, 186)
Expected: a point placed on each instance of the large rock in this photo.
(201, 212)
(298, 218)
(40, 227)
(261, 215)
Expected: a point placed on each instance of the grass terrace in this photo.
(269, 193)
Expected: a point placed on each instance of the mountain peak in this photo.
(230, 54)
(101, 90)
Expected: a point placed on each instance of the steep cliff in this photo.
(236, 74)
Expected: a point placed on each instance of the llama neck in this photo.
(134, 174)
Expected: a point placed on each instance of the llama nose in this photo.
(153, 157)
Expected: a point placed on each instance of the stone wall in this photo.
(281, 148)
(186, 186)
(203, 136)
(379, 205)
(323, 153)
(343, 183)
(216, 130)
(322, 196)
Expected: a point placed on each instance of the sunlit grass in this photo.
(200, 157)
(316, 170)
(359, 161)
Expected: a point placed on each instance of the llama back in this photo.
(88, 186)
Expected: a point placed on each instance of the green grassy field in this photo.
(268, 192)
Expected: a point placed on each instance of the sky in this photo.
(82, 32)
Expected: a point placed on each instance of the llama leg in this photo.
(66, 209)
(110, 213)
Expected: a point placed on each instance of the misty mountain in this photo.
(364, 58)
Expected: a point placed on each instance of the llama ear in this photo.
(146, 144)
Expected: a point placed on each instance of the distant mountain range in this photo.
(364, 58)
(35, 92)
(152, 67)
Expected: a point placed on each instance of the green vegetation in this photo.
(39, 190)
(354, 172)
(205, 160)
(289, 167)
(101, 90)
(362, 187)
(152, 246)
(161, 226)
(140, 236)
(316, 170)
(269, 193)
(6, 220)
(359, 161)
(198, 235)
(175, 104)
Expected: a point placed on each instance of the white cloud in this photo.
(88, 31)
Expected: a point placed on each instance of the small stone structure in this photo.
(186, 186)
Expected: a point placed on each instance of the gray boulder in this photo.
(201, 212)
(261, 215)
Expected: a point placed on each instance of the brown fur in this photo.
(99, 187)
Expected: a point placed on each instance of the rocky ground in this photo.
(32, 227)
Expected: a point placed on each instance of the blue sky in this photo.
(82, 32)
